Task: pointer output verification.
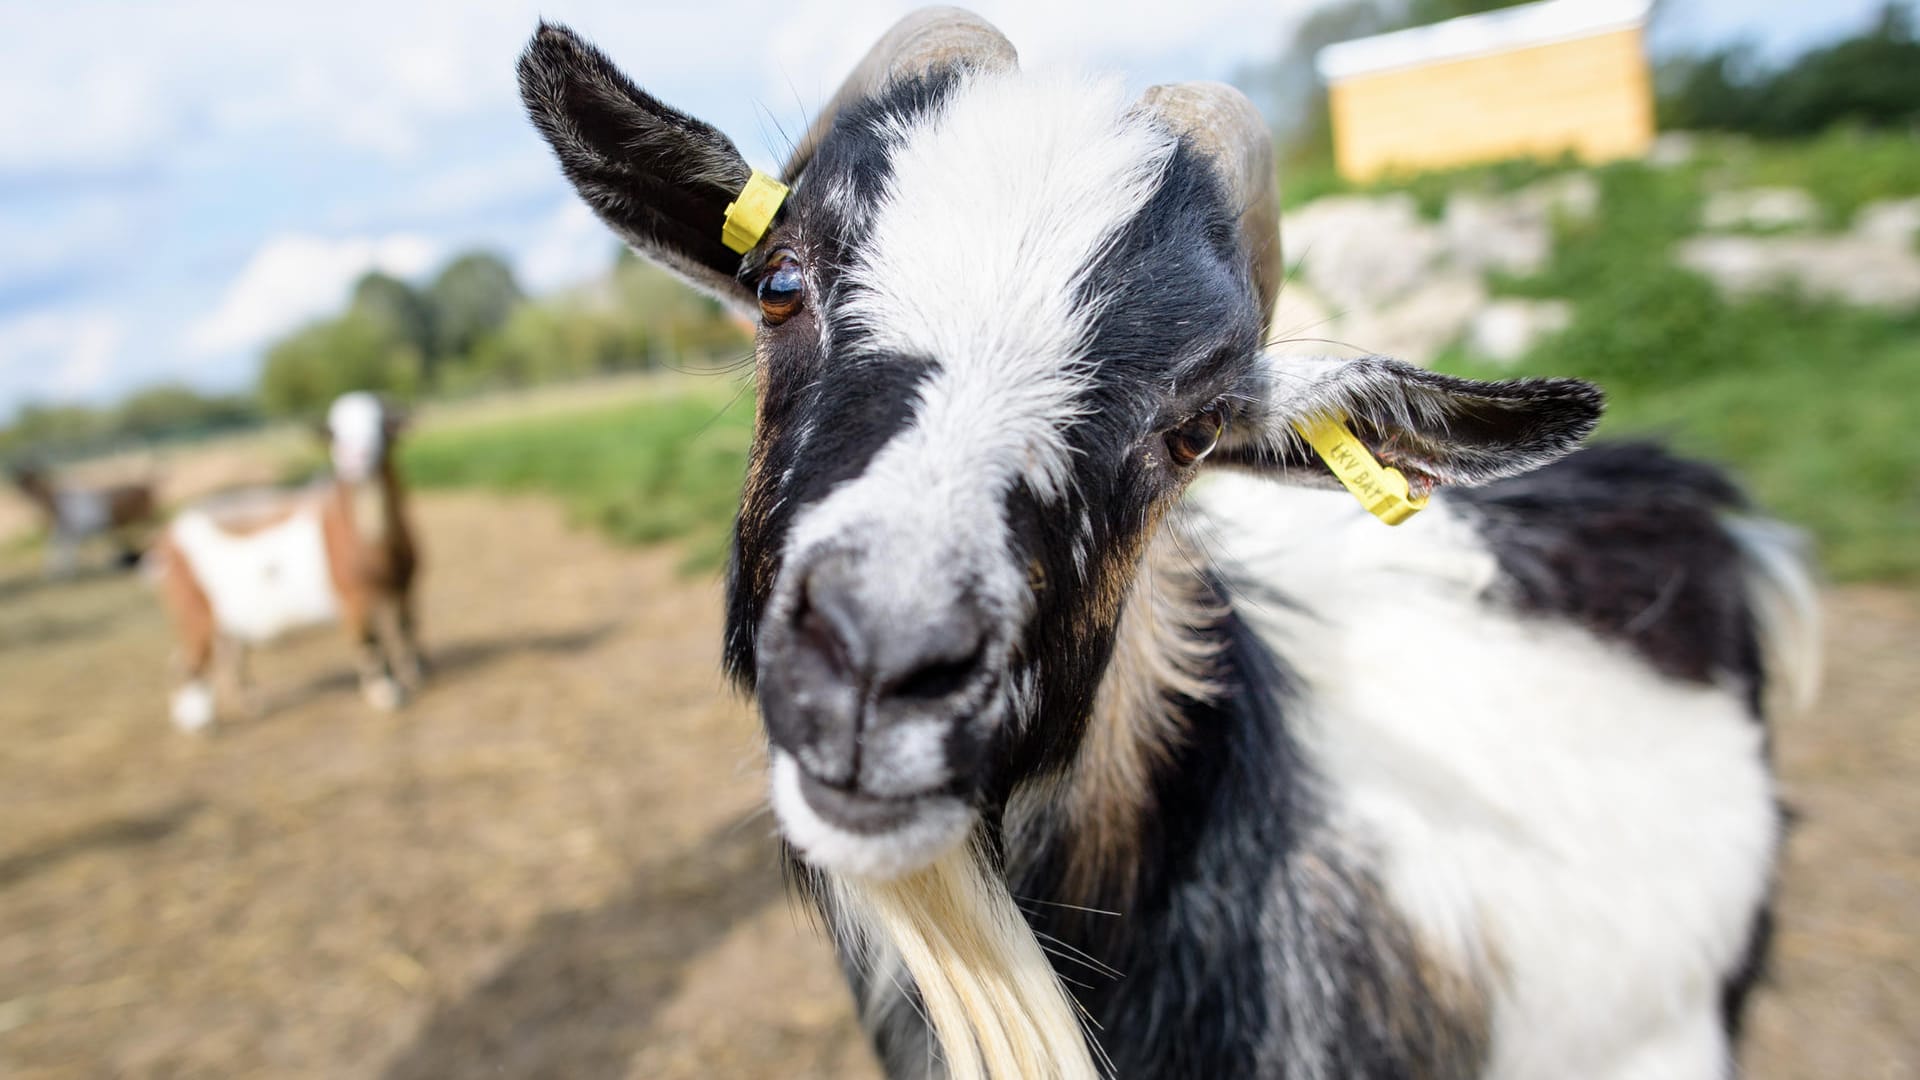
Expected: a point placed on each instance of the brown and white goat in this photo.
(245, 570)
(1090, 697)
(76, 514)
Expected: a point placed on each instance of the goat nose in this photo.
(906, 651)
(853, 663)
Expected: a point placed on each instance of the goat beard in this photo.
(995, 1004)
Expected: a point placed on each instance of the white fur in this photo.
(192, 705)
(357, 433)
(916, 755)
(1587, 834)
(1787, 607)
(383, 693)
(998, 210)
(264, 584)
(81, 513)
(943, 823)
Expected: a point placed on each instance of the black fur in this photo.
(1180, 328)
(1626, 540)
(658, 177)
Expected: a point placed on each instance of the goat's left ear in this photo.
(1436, 429)
(658, 177)
(394, 422)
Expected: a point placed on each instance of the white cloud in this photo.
(64, 355)
(296, 277)
(103, 115)
(571, 246)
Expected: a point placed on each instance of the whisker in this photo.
(1063, 904)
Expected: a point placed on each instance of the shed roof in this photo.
(1477, 35)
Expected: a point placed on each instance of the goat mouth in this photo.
(864, 835)
(858, 812)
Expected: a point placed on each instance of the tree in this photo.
(171, 408)
(471, 298)
(319, 362)
(1422, 12)
(36, 427)
(407, 314)
(1872, 80)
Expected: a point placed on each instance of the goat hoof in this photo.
(192, 708)
(384, 694)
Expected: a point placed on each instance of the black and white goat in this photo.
(1104, 737)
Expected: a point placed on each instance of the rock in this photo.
(1892, 222)
(1672, 149)
(1760, 208)
(1420, 325)
(1574, 196)
(1514, 233)
(1849, 267)
(1361, 251)
(1505, 330)
(1495, 232)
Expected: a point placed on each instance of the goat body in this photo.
(77, 514)
(251, 568)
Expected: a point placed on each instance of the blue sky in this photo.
(181, 182)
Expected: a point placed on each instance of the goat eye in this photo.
(1196, 438)
(781, 288)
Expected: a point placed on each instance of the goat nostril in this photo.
(817, 634)
(939, 679)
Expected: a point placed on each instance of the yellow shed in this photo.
(1538, 79)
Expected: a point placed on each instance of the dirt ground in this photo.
(556, 863)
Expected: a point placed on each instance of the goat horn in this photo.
(1225, 128)
(927, 40)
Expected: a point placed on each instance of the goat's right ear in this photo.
(658, 177)
(1436, 429)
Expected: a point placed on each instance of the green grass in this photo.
(661, 469)
(1843, 169)
(1816, 405)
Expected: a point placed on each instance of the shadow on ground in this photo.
(115, 833)
(578, 999)
(452, 661)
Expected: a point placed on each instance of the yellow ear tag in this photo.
(752, 211)
(1382, 489)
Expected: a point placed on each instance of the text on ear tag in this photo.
(1382, 489)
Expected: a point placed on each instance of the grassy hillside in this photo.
(1815, 404)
